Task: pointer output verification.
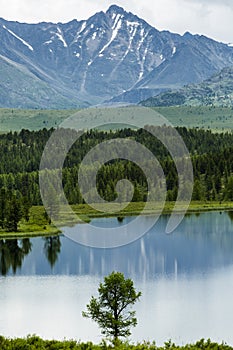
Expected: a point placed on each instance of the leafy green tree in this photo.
(111, 310)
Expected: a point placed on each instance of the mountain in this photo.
(133, 96)
(217, 91)
(112, 56)
(19, 88)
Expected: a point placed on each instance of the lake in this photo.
(186, 280)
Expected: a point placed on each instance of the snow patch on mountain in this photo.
(173, 51)
(20, 39)
(116, 27)
(78, 34)
(60, 37)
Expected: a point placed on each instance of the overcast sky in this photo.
(213, 18)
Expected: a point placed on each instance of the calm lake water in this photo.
(186, 280)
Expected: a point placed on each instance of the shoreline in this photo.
(37, 227)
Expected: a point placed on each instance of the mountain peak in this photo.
(110, 53)
(187, 35)
(115, 9)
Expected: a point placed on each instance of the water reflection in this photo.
(12, 254)
(230, 214)
(186, 281)
(52, 248)
(14, 251)
(201, 243)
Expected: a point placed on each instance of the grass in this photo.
(39, 226)
(207, 117)
(135, 208)
(36, 226)
(31, 119)
(35, 342)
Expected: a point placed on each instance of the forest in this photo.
(20, 152)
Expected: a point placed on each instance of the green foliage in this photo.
(36, 343)
(110, 309)
(20, 153)
(229, 189)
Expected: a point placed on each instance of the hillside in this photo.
(20, 88)
(216, 91)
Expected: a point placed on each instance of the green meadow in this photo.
(207, 117)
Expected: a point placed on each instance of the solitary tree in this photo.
(111, 310)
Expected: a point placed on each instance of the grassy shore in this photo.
(34, 342)
(135, 208)
(36, 226)
(39, 226)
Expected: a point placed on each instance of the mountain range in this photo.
(113, 56)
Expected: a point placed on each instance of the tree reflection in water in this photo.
(12, 254)
(52, 248)
(230, 214)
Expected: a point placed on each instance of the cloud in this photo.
(213, 18)
(213, 2)
(210, 18)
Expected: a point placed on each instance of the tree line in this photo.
(211, 155)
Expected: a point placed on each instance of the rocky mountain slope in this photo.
(112, 55)
(217, 91)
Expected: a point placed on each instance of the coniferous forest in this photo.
(211, 155)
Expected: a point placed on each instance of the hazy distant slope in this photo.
(217, 90)
(20, 88)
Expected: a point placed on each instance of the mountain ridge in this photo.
(112, 56)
